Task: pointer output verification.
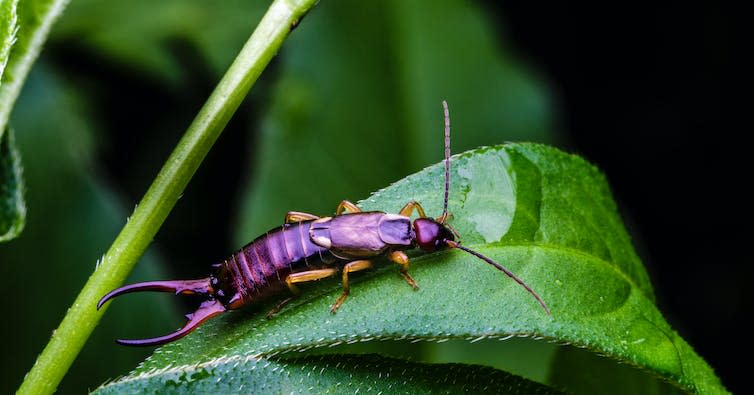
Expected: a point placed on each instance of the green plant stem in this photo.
(82, 317)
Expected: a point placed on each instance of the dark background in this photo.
(650, 93)
(653, 93)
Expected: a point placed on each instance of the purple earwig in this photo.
(308, 248)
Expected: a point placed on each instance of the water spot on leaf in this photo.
(489, 186)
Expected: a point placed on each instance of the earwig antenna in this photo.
(454, 244)
(444, 215)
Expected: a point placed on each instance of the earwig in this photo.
(308, 248)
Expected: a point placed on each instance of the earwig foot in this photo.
(296, 216)
(347, 205)
(338, 302)
(401, 259)
(409, 280)
(278, 307)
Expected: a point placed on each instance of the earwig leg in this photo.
(297, 216)
(280, 306)
(401, 258)
(309, 275)
(300, 277)
(347, 205)
(410, 207)
(350, 267)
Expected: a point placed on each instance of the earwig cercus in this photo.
(307, 248)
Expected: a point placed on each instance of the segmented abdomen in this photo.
(259, 269)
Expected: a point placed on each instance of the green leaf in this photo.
(35, 17)
(12, 206)
(147, 35)
(338, 374)
(546, 215)
(8, 26)
(22, 31)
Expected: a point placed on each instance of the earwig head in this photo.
(431, 235)
(208, 309)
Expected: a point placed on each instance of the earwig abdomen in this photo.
(259, 269)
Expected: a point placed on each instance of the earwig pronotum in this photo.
(308, 248)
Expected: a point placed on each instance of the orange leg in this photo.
(300, 277)
(347, 205)
(297, 216)
(350, 267)
(410, 207)
(401, 259)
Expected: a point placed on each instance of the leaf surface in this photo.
(336, 374)
(546, 215)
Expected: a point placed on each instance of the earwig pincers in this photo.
(308, 248)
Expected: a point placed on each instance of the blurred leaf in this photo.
(525, 357)
(358, 103)
(328, 374)
(12, 206)
(72, 219)
(583, 372)
(548, 216)
(35, 17)
(144, 33)
(18, 51)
